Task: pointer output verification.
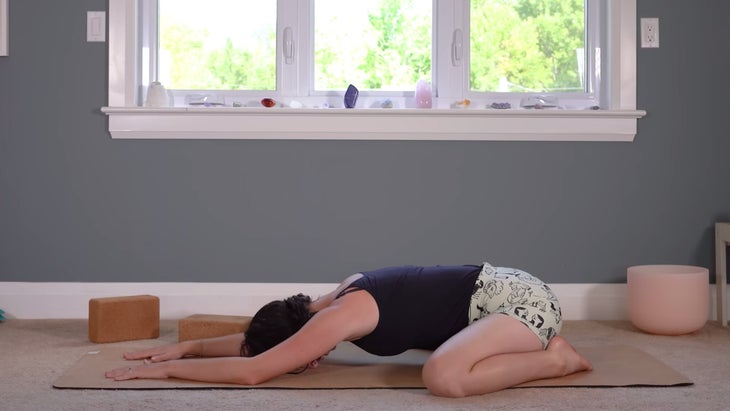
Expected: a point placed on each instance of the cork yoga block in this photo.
(115, 319)
(200, 326)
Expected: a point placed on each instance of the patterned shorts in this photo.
(517, 294)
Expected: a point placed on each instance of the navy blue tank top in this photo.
(420, 307)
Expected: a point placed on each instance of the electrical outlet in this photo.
(649, 32)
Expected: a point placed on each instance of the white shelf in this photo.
(372, 124)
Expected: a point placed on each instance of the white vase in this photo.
(157, 95)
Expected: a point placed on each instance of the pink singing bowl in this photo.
(668, 299)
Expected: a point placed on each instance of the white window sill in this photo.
(372, 124)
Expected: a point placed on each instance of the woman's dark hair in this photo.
(274, 323)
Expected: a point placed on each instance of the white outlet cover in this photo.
(650, 32)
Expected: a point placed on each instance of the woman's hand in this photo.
(160, 354)
(155, 371)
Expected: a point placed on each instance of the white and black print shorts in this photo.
(517, 294)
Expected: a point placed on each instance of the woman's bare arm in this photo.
(222, 370)
(349, 317)
(225, 346)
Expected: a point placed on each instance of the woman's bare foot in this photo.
(574, 362)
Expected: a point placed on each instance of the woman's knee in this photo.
(441, 379)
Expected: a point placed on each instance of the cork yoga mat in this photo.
(348, 367)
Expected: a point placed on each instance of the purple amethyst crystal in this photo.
(351, 96)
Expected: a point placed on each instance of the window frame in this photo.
(127, 119)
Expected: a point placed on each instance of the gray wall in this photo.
(77, 206)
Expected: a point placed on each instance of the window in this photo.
(225, 45)
(478, 54)
(380, 45)
(536, 47)
(516, 48)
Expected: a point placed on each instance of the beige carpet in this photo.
(35, 353)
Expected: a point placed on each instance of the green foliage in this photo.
(401, 54)
(529, 43)
(335, 60)
(392, 53)
(182, 46)
(560, 31)
(229, 68)
(237, 69)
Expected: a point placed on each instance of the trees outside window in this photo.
(523, 46)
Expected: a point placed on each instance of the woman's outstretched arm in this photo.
(349, 317)
(225, 346)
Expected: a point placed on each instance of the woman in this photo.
(490, 328)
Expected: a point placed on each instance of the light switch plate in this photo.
(4, 30)
(96, 26)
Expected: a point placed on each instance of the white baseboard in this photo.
(23, 300)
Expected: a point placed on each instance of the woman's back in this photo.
(419, 307)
